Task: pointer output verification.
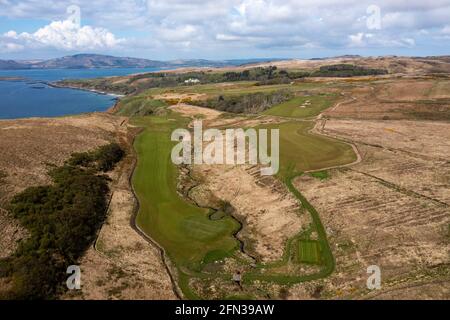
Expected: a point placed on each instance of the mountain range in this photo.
(91, 61)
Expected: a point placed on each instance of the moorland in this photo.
(364, 180)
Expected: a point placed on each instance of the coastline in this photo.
(109, 108)
(58, 86)
(12, 78)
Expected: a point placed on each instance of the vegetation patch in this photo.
(139, 106)
(300, 151)
(62, 220)
(102, 159)
(346, 70)
(302, 107)
(3, 175)
(247, 103)
(261, 76)
(309, 252)
(322, 175)
(185, 231)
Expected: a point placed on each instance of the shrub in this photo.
(107, 156)
(62, 220)
(346, 70)
(248, 103)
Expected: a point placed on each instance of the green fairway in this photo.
(182, 229)
(302, 107)
(301, 151)
(194, 238)
(309, 252)
(138, 105)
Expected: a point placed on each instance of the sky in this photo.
(223, 29)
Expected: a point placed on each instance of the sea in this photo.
(31, 96)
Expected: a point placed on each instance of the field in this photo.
(301, 151)
(390, 210)
(400, 99)
(302, 107)
(364, 180)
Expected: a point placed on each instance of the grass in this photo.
(301, 151)
(139, 105)
(184, 230)
(293, 108)
(232, 89)
(321, 175)
(309, 252)
(326, 256)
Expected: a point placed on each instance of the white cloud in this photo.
(269, 11)
(227, 37)
(357, 40)
(61, 35)
(10, 47)
(178, 34)
(362, 39)
(216, 25)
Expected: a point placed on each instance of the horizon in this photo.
(223, 30)
(268, 59)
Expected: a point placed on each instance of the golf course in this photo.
(193, 241)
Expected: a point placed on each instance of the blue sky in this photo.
(223, 29)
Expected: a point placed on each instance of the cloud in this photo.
(446, 30)
(178, 33)
(362, 39)
(356, 40)
(218, 25)
(61, 35)
(227, 37)
(10, 47)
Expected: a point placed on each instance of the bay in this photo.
(26, 93)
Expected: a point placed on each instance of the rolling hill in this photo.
(91, 61)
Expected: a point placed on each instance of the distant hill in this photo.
(12, 65)
(346, 56)
(90, 61)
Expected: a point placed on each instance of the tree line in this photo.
(262, 75)
(250, 103)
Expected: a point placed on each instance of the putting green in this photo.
(302, 107)
(309, 252)
(301, 151)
